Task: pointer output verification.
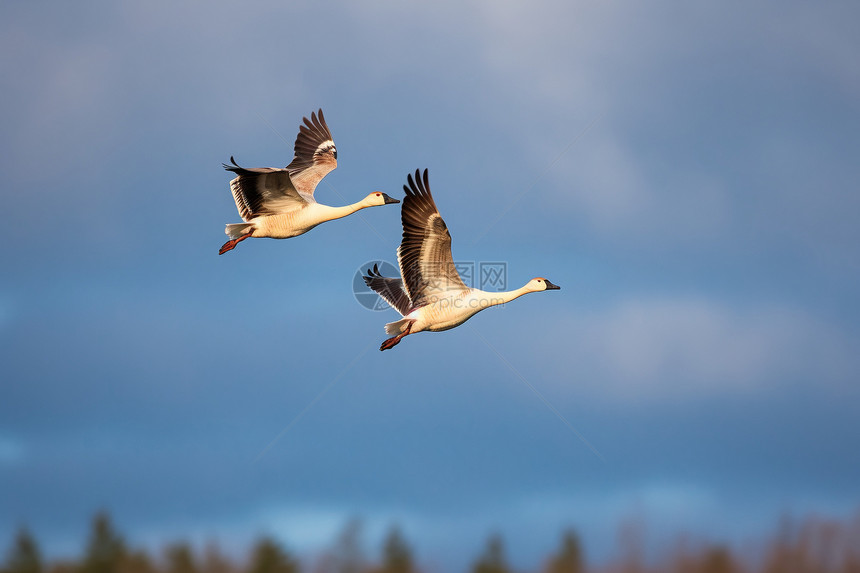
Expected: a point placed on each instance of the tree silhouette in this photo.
(396, 555)
(180, 558)
(346, 556)
(105, 551)
(24, 554)
(269, 557)
(569, 557)
(718, 560)
(214, 561)
(136, 562)
(493, 560)
(812, 545)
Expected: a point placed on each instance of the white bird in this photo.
(430, 295)
(279, 203)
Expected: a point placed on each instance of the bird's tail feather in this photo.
(236, 230)
(398, 326)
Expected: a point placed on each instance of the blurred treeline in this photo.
(811, 545)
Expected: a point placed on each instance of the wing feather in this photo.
(263, 191)
(390, 289)
(314, 154)
(424, 255)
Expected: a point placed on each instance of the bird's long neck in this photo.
(332, 213)
(494, 298)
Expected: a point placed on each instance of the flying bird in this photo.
(430, 295)
(279, 203)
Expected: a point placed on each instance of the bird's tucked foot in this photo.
(231, 244)
(395, 340)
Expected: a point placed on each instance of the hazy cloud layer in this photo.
(677, 349)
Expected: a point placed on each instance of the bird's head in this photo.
(379, 198)
(539, 283)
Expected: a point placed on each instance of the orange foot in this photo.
(231, 244)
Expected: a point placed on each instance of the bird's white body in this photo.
(301, 220)
(446, 312)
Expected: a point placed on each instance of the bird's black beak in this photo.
(550, 286)
(389, 200)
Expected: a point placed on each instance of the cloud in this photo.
(694, 348)
(8, 310)
(822, 38)
(710, 126)
(607, 186)
(11, 451)
(531, 76)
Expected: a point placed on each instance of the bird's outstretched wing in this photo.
(390, 289)
(315, 154)
(424, 255)
(263, 191)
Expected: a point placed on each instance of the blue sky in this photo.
(687, 174)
